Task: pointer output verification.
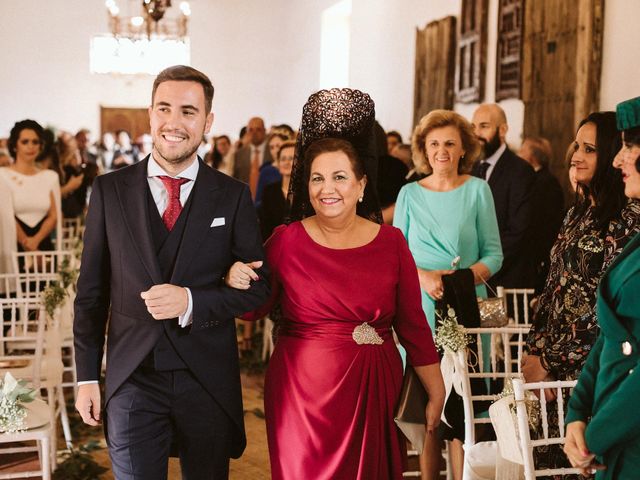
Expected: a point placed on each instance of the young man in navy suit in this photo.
(160, 236)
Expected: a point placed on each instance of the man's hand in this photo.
(166, 301)
(88, 403)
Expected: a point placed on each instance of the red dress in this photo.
(329, 401)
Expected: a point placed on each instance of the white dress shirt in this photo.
(159, 194)
(261, 148)
(493, 159)
(160, 197)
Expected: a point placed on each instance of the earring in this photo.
(361, 198)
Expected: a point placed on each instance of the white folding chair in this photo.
(517, 302)
(40, 269)
(26, 328)
(73, 225)
(482, 458)
(526, 443)
(22, 339)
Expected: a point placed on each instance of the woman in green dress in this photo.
(603, 425)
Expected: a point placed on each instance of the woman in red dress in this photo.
(344, 281)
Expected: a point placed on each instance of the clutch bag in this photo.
(492, 312)
(410, 416)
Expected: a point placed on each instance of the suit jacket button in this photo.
(626, 349)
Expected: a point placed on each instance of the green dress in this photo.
(608, 389)
(440, 226)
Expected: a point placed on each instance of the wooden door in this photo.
(435, 67)
(133, 120)
(561, 62)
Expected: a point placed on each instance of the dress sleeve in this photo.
(537, 337)
(581, 401)
(605, 430)
(401, 213)
(273, 252)
(488, 233)
(411, 323)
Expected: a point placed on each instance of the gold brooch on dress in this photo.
(365, 334)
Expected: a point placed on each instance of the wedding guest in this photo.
(393, 140)
(335, 376)
(72, 177)
(268, 172)
(608, 386)
(447, 215)
(511, 180)
(547, 206)
(107, 150)
(595, 230)
(391, 176)
(125, 152)
(275, 206)
(35, 192)
(5, 158)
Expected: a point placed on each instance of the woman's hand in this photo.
(75, 182)
(30, 244)
(240, 275)
(532, 369)
(575, 447)
(431, 282)
(433, 412)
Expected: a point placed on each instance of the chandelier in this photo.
(150, 22)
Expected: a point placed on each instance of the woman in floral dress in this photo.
(594, 232)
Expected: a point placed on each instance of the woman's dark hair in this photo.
(632, 136)
(606, 187)
(327, 145)
(18, 128)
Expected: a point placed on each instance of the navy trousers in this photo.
(151, 410)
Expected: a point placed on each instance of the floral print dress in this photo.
(565, 326)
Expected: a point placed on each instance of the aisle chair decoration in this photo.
(13, 394)
(450, 339)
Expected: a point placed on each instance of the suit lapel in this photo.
(132, 194)
(498, 170)
(206, 193)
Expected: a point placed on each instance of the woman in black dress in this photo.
(275, 206)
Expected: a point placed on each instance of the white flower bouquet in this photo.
(13, 393)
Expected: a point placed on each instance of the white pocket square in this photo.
(217, 222)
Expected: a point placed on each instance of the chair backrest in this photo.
(26, 284)
(526, 443)
(41, 262)
(517, 302)
(498, 364)
(22, 336)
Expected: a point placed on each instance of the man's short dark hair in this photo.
(396, 135)
(183, 73)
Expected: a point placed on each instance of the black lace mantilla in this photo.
(337, 113)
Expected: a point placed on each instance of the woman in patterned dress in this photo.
(594, 232)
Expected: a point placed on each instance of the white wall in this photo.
(620, 53)
(263, 57)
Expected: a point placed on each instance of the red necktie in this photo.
(254, 172)
(174, 207)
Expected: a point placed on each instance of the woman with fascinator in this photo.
(343, 281)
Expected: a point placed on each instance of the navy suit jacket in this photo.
(119, 262)
(511, 183)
